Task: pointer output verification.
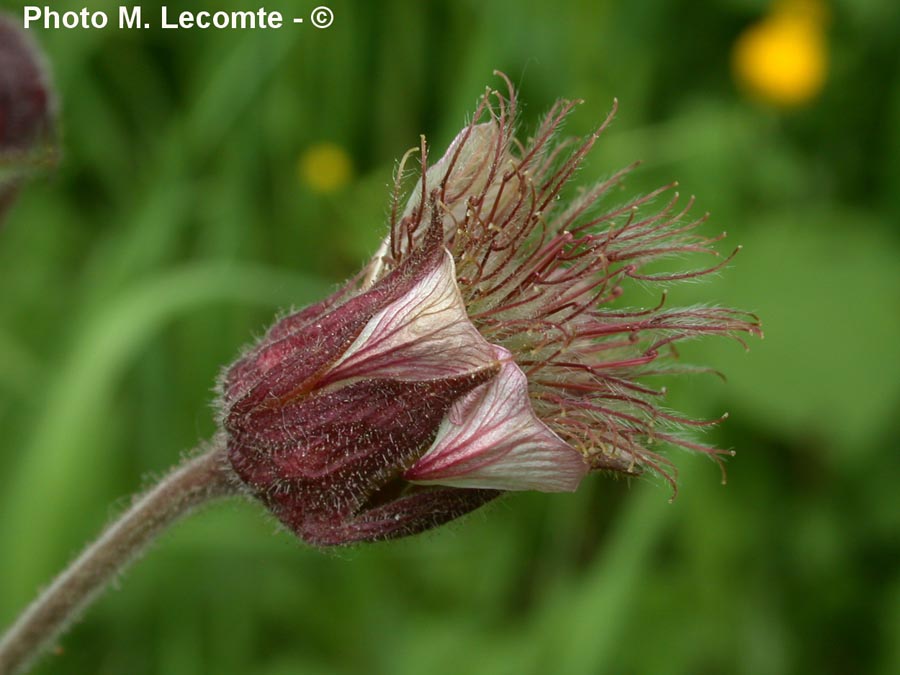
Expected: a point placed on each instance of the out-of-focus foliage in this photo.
(179, 220)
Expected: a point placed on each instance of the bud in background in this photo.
(486, 347)
(27, 111)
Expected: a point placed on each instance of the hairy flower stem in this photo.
(196, 481)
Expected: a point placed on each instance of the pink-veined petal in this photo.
(424, 335)
(491, 438)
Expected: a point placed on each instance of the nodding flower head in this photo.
(485, 348)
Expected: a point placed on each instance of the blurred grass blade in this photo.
(46, 485)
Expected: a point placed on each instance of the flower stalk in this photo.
(199, 480)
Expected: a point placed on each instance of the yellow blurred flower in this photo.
(783, 59)
(325, 167)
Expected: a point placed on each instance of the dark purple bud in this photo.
(326, 413)
(27, 110)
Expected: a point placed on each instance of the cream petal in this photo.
(470, 155)
(470, 166)
(424, 335)
(491, 438)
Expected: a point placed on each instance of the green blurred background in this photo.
(190, 205)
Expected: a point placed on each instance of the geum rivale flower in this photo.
(484, 348)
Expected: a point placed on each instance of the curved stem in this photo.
(198, 480)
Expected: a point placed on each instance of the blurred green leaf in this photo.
(55, 461)
(825, 285)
